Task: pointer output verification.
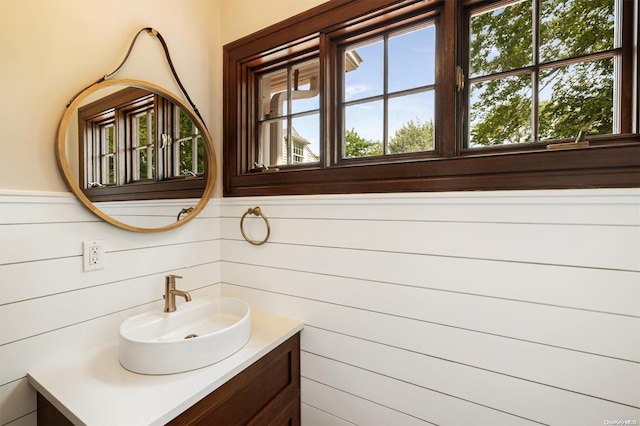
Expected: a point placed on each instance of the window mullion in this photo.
(289, 119)
(150, 147)
(175, 146)
(94, 157)
(103, 157)
(328, 142)
(122, 163)
(385, 91)
(194, 152)
(535, 74)
(450, 115)
(628, 73)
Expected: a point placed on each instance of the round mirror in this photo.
(136, 155)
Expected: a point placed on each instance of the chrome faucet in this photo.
(170, 293)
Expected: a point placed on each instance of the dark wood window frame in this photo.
(116, 107)
(608, 161)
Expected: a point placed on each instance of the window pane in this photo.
(145, 164)
(273, 94)
(186, 157)
(275, 146)
(571, 28)
(305, 96)
(364, 71)
(186, 127)
(575, 97)
(411, 125)
(412, 59)
(108, 147)
(201, 155)
(305, 134)
(270, 144)
(110, 175)
(295, 104)
(364, 130)
(142, 146)
(111, 148)
(187, 146)
(501, 39)
(141, 126)
(500, 111)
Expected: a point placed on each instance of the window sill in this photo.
(170, 189)
(595, 166)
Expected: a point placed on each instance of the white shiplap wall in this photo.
(458, 308)
(49, 307)
(474, 308)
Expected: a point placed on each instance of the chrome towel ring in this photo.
(258, 212)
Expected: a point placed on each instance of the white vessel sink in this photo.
(199, 333)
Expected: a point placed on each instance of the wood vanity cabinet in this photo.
(265, 393)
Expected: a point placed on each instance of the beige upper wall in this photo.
(50, 50)
(243, 17)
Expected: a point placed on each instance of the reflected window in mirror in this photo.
(135, 143)
(140, 144)
(187, 155)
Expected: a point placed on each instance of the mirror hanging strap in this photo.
(155, 33)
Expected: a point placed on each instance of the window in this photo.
(122, 157)
(187, 156)
(405, 95)
(289, 100)
(387, 97)
(103, 166)
(142, 133)
(527, 85)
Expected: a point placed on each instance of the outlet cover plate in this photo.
(93, 257)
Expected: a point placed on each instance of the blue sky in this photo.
(411, 64)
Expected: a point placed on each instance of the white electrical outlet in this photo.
(93, 255)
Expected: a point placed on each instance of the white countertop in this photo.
(92, 388)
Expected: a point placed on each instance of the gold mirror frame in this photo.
(72, 184)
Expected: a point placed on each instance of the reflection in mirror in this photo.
(133, 142)
(136, 155)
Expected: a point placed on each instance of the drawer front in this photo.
(258, 395)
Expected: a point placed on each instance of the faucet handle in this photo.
(170, 282)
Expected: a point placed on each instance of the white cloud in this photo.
(355, 89)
